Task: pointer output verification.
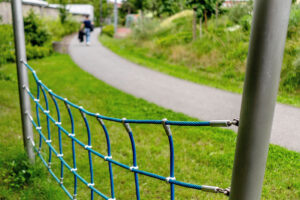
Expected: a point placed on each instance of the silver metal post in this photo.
(18, 25)
(268, 35)
(116, 16)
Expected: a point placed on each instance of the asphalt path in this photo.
(202, 102)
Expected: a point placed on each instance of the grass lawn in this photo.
(151, 56)
(203, 156)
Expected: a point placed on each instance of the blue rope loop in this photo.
(88, 147)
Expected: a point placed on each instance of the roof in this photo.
(77, 9)
(35, 2)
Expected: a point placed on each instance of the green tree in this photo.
(203, 9)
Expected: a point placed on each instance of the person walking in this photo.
(88, 27)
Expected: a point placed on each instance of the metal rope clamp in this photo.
(91, 184)
(170, 178)
(166, 127)
(107, 157)
(133, 167)
(98, 116)
(81, 109)
(224, 191)
(126, 125)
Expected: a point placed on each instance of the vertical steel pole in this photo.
(268, 35)
(18, 25)
(116, 16)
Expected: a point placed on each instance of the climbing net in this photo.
(42, 89)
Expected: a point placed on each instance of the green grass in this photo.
(202, 155)
(218, 59)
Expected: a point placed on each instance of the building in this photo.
(43, 9)
(230, 3)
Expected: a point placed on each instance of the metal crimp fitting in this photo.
(236, 122)
(61, 181)
(91, 184)
(87, 147)
(73, 169)
(71, 134)
(112, 199)
(60, 155)
(46, 111)
(166, 127)
(49, 165)
(107, 157)
(57, 123)
(224, 191)
(170, 178)
(133, 167)
(36, 100)
(38, 128)
(48, 141)
(126, 125)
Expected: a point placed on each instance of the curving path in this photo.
(195, 100)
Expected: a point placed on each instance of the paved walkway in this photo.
(202, 102)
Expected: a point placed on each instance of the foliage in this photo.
(35, 52)
(6, 44)
(211, 60)
(17, 173)
(63, 13)
(108, 30)
(245, 22)
(237, 12)
(294, 21)
(59, 30)
(144, 28)
(36, 32)
(204, 8)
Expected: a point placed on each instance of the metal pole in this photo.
(18, 25)
(116, 16)
(100, 22)
(268, 35)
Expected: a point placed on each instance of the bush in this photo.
(238, 11)
(294, 20)
(6, 44)
(145, 27)
(59, 30)
(35, 52)
(36, 32)
(245, 22)
(108, 30)
(184, 37)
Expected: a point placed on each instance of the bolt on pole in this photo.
(19, 37)
(268, 35)
(116, 16)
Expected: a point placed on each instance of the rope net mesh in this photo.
(59, 148)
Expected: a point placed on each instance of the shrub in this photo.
(294, 20)
(36, 32)
(238, 11)
(108, 30)
(144, 28)
(34, 52)
(6, 44)
(59, 30)
(245, 22)
(184, 37)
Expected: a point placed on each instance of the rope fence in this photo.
(43, 90)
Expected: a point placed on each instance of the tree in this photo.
(203, 9)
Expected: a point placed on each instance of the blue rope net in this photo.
(42, 90)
